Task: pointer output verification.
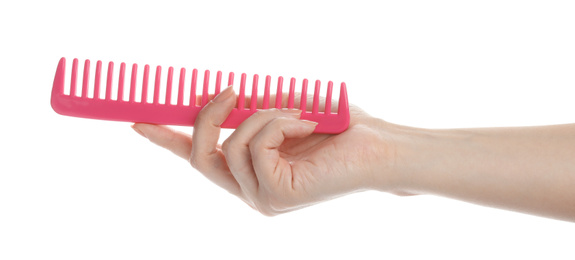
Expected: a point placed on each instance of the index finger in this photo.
(205, 155)
(207, 129)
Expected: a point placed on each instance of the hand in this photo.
(274, 162)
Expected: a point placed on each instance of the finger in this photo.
(207, 131)
(270, 168)
(181, 144)
(236, 147)
(205, 155)
(177, 142)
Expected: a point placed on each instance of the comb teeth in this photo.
(133, 81)
(86, 78)
(205, 94)
(174, 111)
(169, 86)
(242, 96)
(303, 98)
(291, 96)
(254, 101)
(279, 95)
(266, 103)
(181, 87)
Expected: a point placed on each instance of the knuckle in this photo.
(207, 115)
(278, 122)
(201, 162)
(195, 162)
(226, 146)
(255, 144)
(203, 113)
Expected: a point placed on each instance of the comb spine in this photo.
(86, 78)
(242, 98)
(133, 81)
(254, 97)
(168, 100)
(74, 78)
(193, 87)
(121, 81)
(327, 110)
(97, 79)
(205, 94)
(279, 93)
(266, 103)
(109, 80)
(145, 83)
(303, 98)
(181, 87)
(157, 85)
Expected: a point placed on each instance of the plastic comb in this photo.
(102, 106)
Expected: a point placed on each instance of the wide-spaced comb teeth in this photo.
(242, 97)
(181, 87)
(86, 78)
(291, 95)
(133, 81)
(328, 98)
(169, 86)
(254, 101)
(303, 101)
(266, 102)
(279, 93)
(174, 111)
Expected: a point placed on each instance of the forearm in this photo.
(527, 169)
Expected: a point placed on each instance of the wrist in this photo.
(413, 157)
(396, 151)
(424, 157)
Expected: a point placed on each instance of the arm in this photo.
(526, 169)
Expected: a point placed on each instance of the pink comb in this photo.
(180, 114)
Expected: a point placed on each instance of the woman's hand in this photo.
(274, 162)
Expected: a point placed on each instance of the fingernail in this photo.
(291, 112)
(309, 123)
(225, 94)
(139, 131)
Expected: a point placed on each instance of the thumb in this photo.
(175, 141)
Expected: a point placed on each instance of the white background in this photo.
(82, 189)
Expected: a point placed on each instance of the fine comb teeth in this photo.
(182, 114)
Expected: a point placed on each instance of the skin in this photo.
(275, 164)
